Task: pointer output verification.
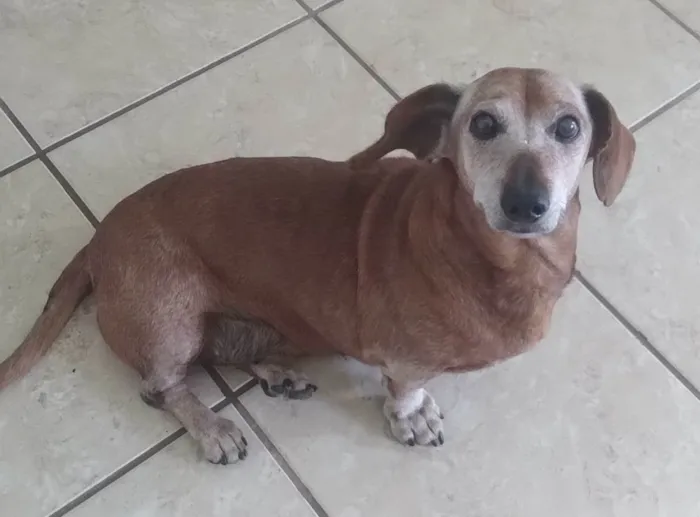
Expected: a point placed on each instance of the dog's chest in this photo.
(476, 332)
(461, 326)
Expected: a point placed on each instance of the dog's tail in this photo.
(66, 294)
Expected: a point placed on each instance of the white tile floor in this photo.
(602, 419)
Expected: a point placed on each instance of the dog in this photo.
(451, 261)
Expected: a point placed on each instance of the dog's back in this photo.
(264, 229)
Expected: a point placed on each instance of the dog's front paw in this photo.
(415, 418)
(222, 442)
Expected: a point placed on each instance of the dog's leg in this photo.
(160, 347)
(221, 441)
(277, 381)
(412, 413)
(258, 348)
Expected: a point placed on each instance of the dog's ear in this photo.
(612, 147)
(416, 123)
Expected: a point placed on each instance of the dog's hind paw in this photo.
(415, 419)
(276, 381)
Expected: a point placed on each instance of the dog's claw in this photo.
(301, 394)
(222, 442)
(279, 389)
(291, 386)
(266, 389)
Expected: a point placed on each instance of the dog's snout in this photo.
(525, 197)
(524, 204)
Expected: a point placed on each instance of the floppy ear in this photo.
(416, 123)
(612, 147)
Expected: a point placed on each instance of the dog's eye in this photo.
(484, 126)
(567, 128)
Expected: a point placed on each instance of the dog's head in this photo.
(519, 139)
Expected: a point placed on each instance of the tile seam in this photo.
(125, 468)
(637, 333)
(140, 458)
(174, 84)
(676, 19)
(269, 445)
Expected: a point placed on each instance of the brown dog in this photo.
(419, 266)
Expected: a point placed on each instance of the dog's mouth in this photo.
(524, 230)
(525, 233)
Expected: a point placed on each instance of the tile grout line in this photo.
(68, 188)
(676, 19)
(638, 334)
(321, 8)
(314, 15)
(19, 164)
(53, 170)
(125, 468)
(42, 154)
(291, 474)
(607, 304)
(174, 84)
(164, 89)
(271, 448)
(140, 458)
(666, 106)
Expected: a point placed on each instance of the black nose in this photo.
(524, 205)
(525, 198)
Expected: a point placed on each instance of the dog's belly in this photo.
(230, 339)
(238, 340)
(269, 241)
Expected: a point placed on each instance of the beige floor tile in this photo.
(315, 4)
(686, 10)
(316, 101)
(175, 483)
(632, 51)
(64, 64)
(643, 253)
(77, 415)
(234, 378)
(41, 231)
(12, 146)
(589, 423)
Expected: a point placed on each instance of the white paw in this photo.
(415, 419)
